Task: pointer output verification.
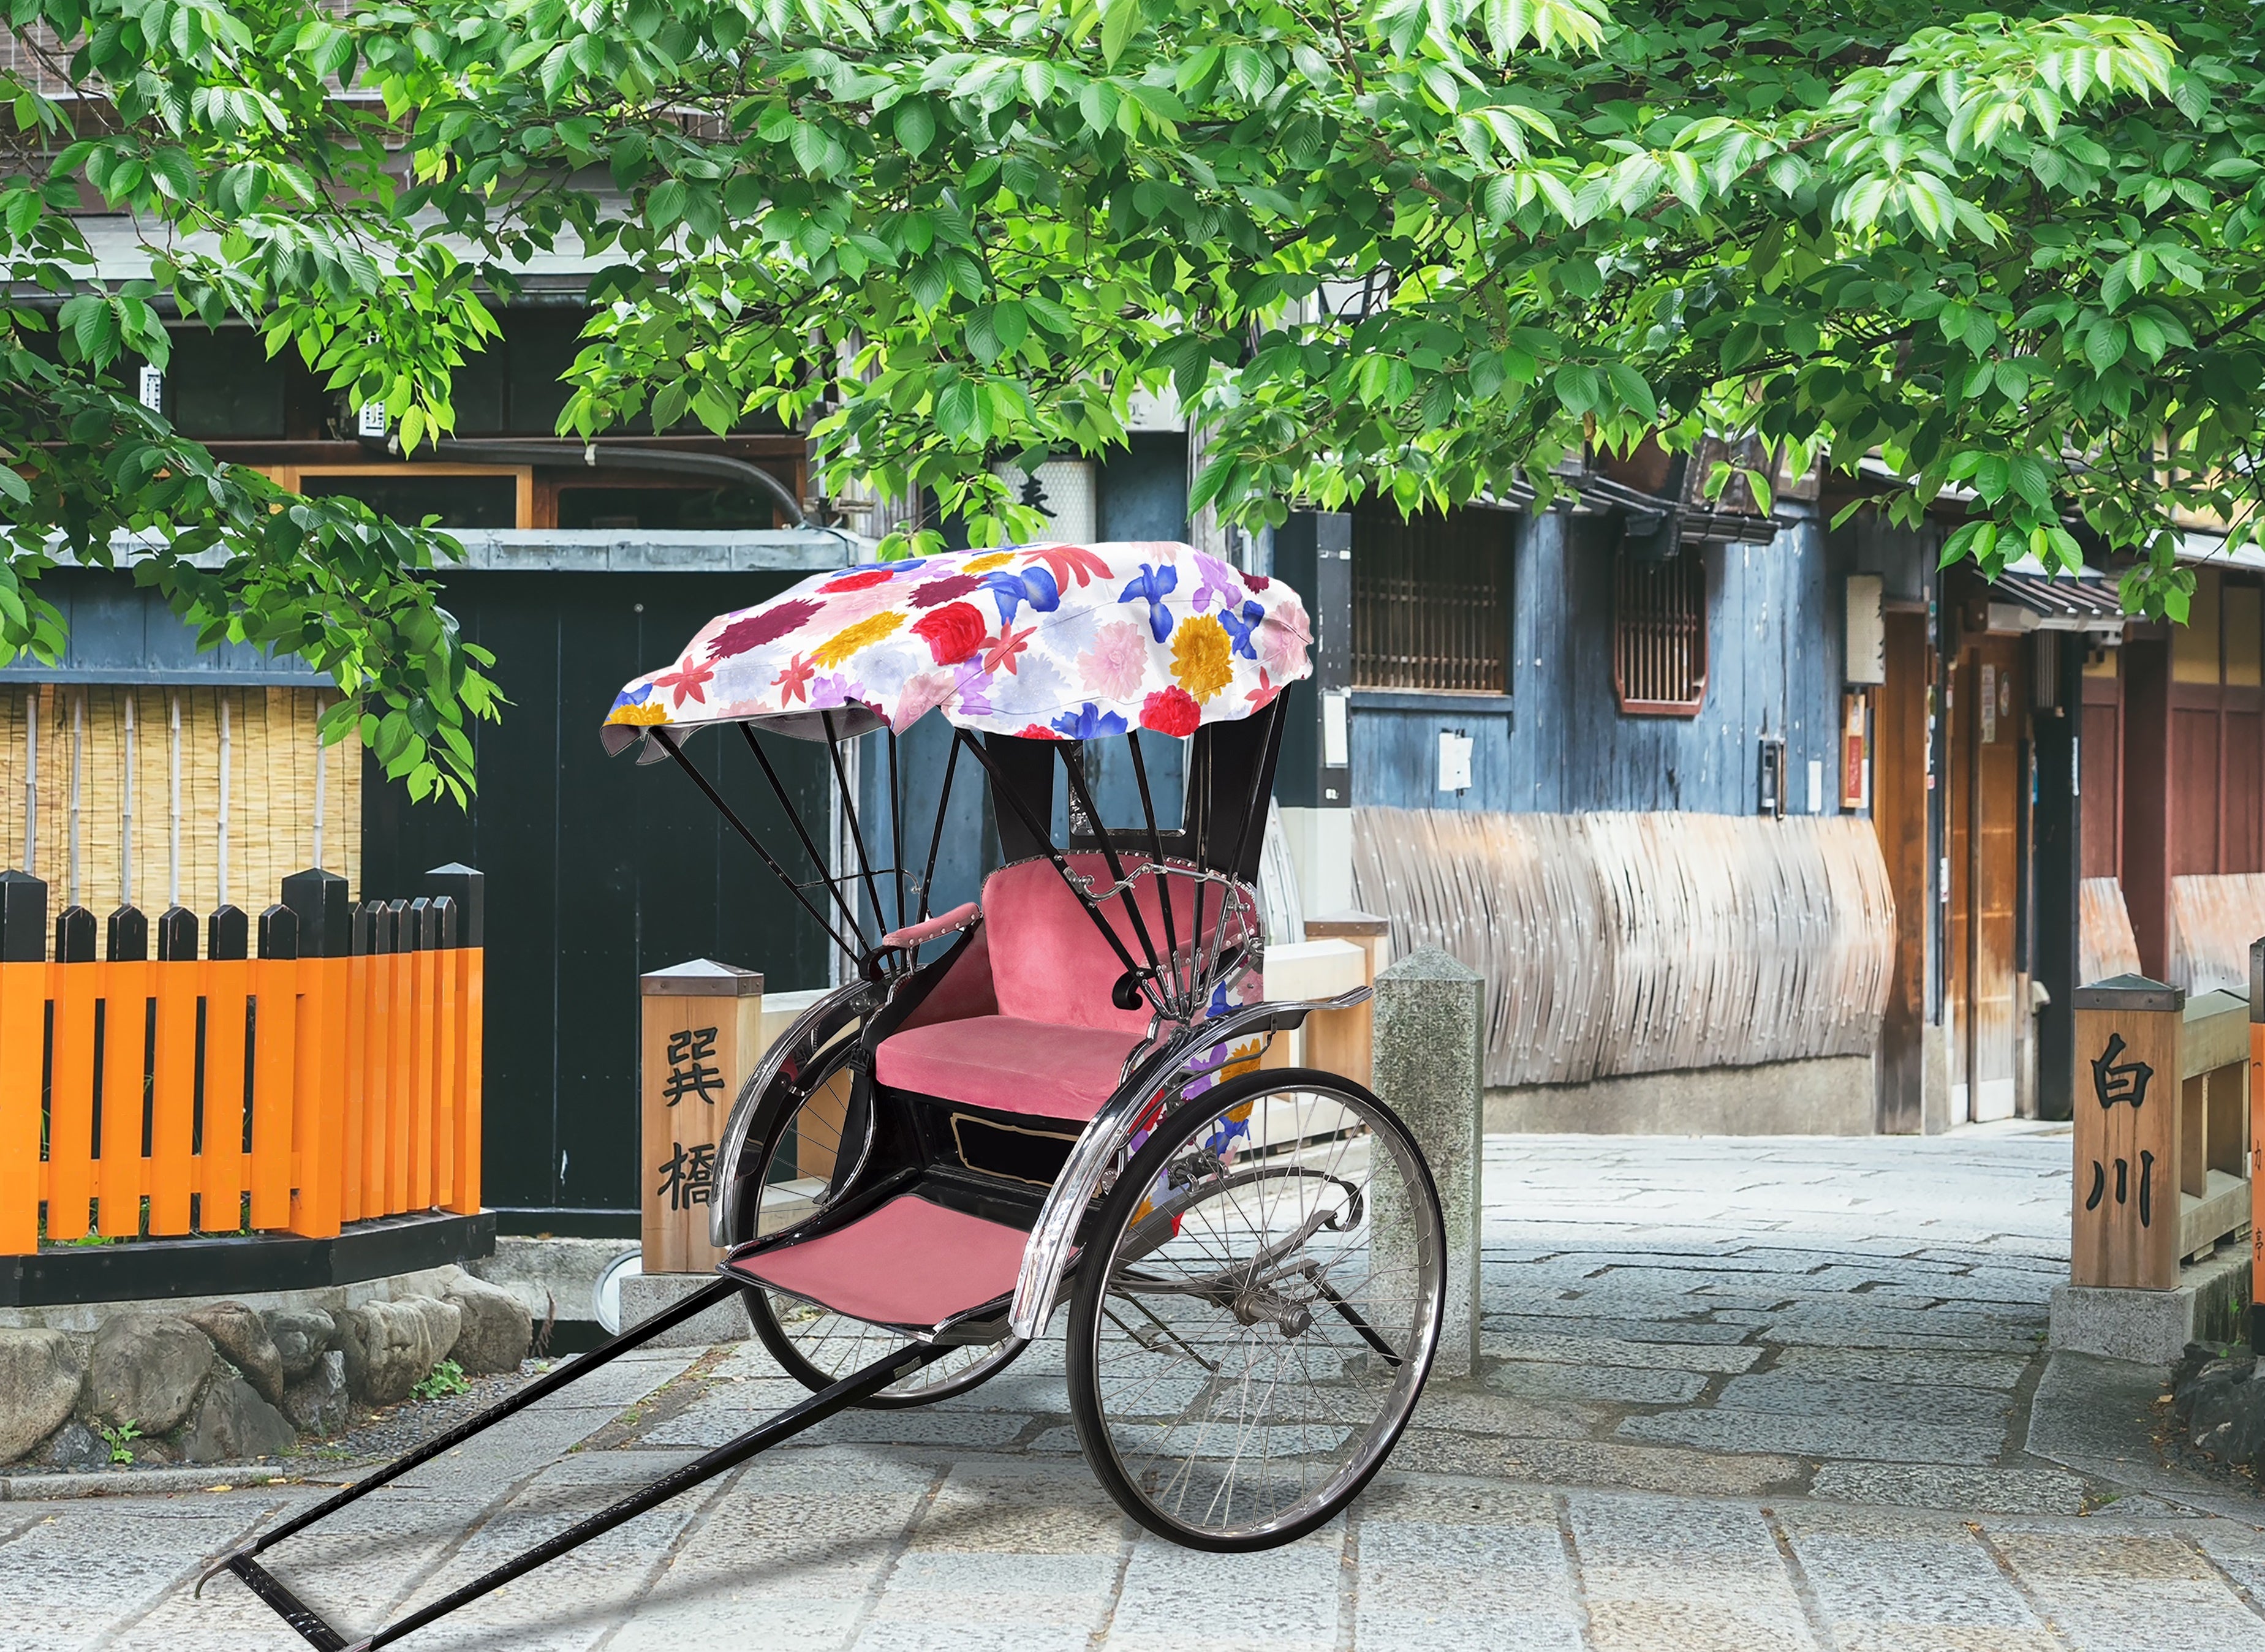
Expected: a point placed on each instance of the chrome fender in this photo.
(805, 1035)
(1045, 1257)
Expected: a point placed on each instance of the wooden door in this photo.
(1899, 819)
(1993, 704)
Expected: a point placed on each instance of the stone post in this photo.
(1430, 1047)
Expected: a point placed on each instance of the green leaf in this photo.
(1120, 21)
(915, 126)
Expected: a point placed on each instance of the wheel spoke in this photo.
(1252, 1346)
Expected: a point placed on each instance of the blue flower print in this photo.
(1239, 626)
(1033, 586)
(637, 696)
(1152, 588)
(1088, 722)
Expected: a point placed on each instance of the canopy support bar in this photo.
(849, 809)
(1001, 787)
(936, 837)
(755, 843)
(896, 830)
(1073, 768)
(794, 817)
(1156, 848)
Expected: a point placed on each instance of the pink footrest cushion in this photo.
(909, 1262)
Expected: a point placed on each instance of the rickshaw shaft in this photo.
(550, 1382)
(849, 1391)
(823, 1404)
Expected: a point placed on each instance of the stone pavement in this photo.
(1741, 1394)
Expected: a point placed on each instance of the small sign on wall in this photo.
(1454, 760)
(1867, 629)
(1855, 752)
(1989, 707)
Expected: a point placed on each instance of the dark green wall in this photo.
(597, 869)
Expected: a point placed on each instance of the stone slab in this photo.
(646, 1294)
(2152, 1327)
(1429, 1048)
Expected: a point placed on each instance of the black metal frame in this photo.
(244, 1561)
(1174, 982)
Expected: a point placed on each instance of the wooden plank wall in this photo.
(1775, 616)
(2105, 945)
(1639, 943)
(2213, 920)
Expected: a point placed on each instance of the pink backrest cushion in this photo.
(1048, 961)
(966, 988)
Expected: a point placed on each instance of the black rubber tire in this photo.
(1086, 1302)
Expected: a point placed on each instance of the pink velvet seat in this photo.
(1040, 1035)
(1009, 1063)
(909, 1262)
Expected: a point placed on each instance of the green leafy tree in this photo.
(1421, 249)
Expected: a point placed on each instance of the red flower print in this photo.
(684, 682)
(953, 633)
(1037, 731)
(767, 625)
(1000, 650)
(1263, 694)
(793, 683)
(861, 580)
(936, 591)
(1172, 711)
(1256, 581)
(1072, 562)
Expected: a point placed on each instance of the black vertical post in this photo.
(1312, 550)
(2056, 866)
(318, 900)
(172, 924)
(23, 918)
(74, 935)
(279, 932)
(127, 936)
(227, 934)
(467, 891)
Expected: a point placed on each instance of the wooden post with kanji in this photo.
(2127, 1136)
(702, 1034)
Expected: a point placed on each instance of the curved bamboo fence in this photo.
(1625, 943)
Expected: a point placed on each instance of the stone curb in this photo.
(142, 1481)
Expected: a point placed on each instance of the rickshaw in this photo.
(1052, 1095)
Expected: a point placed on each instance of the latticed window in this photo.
(1659, 634)
(1430, 602)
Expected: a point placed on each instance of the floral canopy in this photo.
(1049, 642)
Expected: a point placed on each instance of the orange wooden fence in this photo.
(216, 1096)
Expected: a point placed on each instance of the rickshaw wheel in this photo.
(1257, 1310)
(808, 1138)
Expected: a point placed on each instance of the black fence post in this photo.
(279, 932)
(227, 934)
(177, 935)
(468, 890)
(318, 899)
(23, 918)
(127, 936)
(74, 935)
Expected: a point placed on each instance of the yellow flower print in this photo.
(1203, 660)
(1245, 1059)
(863, 634)
(651, 711)
(985, 564)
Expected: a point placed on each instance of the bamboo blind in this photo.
(270, 802)
(1628, 942)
